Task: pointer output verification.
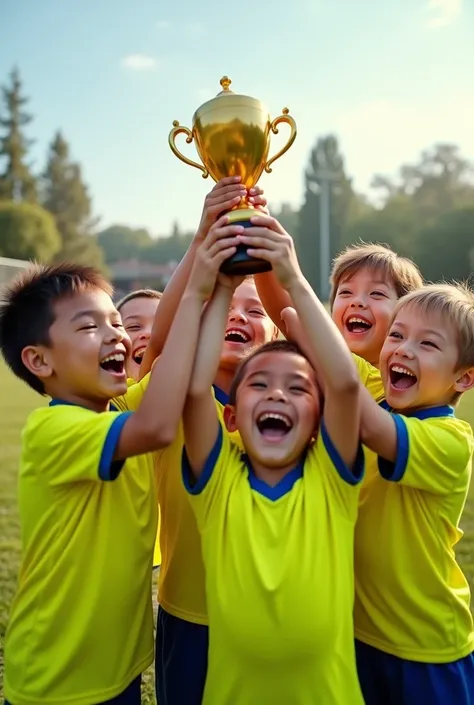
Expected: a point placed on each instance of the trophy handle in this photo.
(180, 130)
(288, 120)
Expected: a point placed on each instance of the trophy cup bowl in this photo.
(231, 134)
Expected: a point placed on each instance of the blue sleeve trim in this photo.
(350, 475)
(108, 468)
(189, 481)
(395, 471)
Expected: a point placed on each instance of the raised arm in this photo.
(341, 381)
(200, 412)
(155, 422)
(273, 297)
(224, 196)
(378, 427)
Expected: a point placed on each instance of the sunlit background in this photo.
(382, 93)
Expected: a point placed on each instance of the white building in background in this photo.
(10, 268)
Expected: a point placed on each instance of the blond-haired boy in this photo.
(413, 625)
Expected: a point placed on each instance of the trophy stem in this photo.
(241, 262)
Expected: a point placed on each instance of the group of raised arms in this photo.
(297, 471)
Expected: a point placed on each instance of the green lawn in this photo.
(16, 402)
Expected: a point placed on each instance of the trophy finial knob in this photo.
(225, 82)
(285, 111)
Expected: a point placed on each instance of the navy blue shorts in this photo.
(389, 680)
(180, 660)
(132, 695)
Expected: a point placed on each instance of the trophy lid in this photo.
(237, 100)
(225, 83)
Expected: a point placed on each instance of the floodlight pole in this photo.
(325, 179)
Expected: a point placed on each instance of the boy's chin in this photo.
(133, 371)
(234, 354)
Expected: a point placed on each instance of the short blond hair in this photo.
(402, 271)
(455, 303)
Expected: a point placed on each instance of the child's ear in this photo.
(229, 418)
(36, 361)
(465, 381)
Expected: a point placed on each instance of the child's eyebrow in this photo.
(83, 314)
(256, 373)
(435, 333)
(131, 316)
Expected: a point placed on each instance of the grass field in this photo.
(16, 401)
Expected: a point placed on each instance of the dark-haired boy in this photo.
(81, 624)
(277, 523)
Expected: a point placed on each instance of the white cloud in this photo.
(139, 62)
(442, 13)
(378, 137)
(163, 24)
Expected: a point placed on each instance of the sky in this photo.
(388, 78)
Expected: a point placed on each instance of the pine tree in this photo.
(66, 197)
(16, 181)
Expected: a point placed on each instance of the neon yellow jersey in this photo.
(81, 623)
(144, 463)
(370, 377)
(279, 578)
(412, 599)
(181, 582)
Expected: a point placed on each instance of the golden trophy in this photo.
(231, 134)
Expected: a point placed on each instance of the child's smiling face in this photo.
(138, 316)
(362, 311)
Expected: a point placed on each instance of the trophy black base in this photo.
(242, 263)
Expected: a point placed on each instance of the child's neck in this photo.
(272, 476)
(224, 379)
(65, 397)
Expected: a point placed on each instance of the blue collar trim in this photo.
(429, 413)
(221, 396)
(283, 487)
(61, 402)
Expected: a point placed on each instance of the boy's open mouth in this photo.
(274, 426)
(138, 356)
(355, 324)
(236, 335)
(114, 363)
(401, 377)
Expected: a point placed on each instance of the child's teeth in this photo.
(118, 357)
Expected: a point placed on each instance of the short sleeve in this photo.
(432, 454)
(131, 400)
(73, 444)
(343, 482)
(222, 466)
(370, 377)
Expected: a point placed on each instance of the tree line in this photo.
(426, 212)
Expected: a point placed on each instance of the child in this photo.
(366, 283)
(413, 624)
(277, 523)
(182, 630)
(81, 627)
(138, 310)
